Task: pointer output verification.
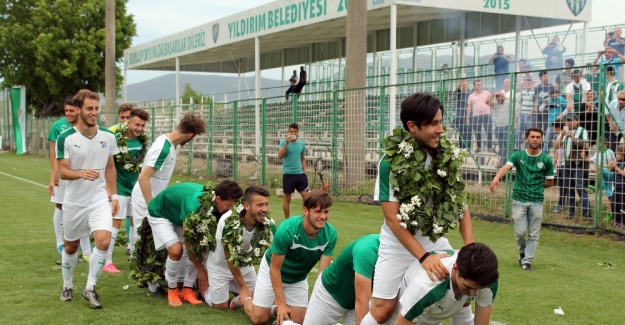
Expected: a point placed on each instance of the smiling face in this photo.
(123, 117)
(428, 134)
(71, 113)
(316, 217)
(89, 112)
(136, 126)
(257, 211)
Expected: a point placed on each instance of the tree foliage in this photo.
(189, 93)
(56, 47)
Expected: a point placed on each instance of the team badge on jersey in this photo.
(103, 144)
(540, 165)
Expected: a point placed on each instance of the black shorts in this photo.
(292, 182)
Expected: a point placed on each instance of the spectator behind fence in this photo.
(555, 106)
(576, 90)
(589, 117)
(618, 199)
(463, 128)
(302, 81)
(478, 111)
(613, 86)
(615, 41)
(554, 51)
(525, 115)
(575, 143)
(502, 63)
(615, 114)
(558, 126)
(610, 57)
(541, 93)
(293, 82)
(564, 77)
(500, 104)
(601, 161)
(592, 76)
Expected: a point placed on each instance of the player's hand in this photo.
(115, 207)
(282, 312)
(434, 268)
(202, 280)
(51, 187)
(90, 174)
(245, 292)
(493, 186)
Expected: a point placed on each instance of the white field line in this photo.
(23, 179)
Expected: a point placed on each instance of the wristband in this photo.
(423, 257)
(114, 197)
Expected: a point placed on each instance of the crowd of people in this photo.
(211, 238)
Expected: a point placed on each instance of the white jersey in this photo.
(86, 153)
(216, 261)
(427, 302)
(162, 157)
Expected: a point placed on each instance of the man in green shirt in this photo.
(343, 290)
(132, 144)
(167, 212)
(534, 173)
(299, 243)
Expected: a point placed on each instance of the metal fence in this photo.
(344, 132)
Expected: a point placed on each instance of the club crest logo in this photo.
(540, 165)
(576, 6)
(103, 144)
(216, 31)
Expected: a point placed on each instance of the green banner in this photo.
(18, 108)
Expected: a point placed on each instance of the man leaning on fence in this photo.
(534, 173)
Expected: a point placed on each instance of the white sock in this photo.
(131, 238)
(96, 263)
(207, 297)
(109, 253)
(184, 260)
(369, 320)
(68, 264)
(190, 275)
(85, 245)
(57, 220)
(152, 286)
(135, 230)
(171, 273)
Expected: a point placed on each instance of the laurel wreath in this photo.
(260, 242)
(129, 162)
(147, 264)
(432, 197)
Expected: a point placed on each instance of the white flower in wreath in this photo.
(210, 211)
(236, 224)
(240, 238)
(437, 229)
(414, 223)
(239, 208)
(213, 194)
(456, 153)
(453, 197)
(399, 217)
(263, 243)
(140, 165)
(405, 209)
(123, 149)
(202, 228)
(128, 166)
(416, 201)
(403, 225)
(257, 252)
(396, 189)
(204, 241)
(441, 173)
(406, 148)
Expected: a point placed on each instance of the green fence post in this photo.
(153, 123)
(171, 115)
(235, 137)
(335, 137)
(600, 145)
(209, 155)
(507, 205)
(263, 144)
(295, 108)
(382, 120)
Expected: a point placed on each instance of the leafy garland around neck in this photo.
(124, 158)
(432, 198)
(233, 238)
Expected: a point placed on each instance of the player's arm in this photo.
(282, 150)
(469, 108)
(236, 273)
(482, 315)
(432, 263)
(282, 311)
(202, 275)
(110, 176)
(363, 295)
(324, 262)
(54, 173)
(466, 230)
(500, 174)
(144, 182)
(303, 163)
(71, 175)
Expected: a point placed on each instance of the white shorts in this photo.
(220, 285)
(59, 192)
(323, 308)
(295, 294)
(78, 221)
(125, 207)
(392, 263)
(139, 209)
(165, 233)
(463, 317)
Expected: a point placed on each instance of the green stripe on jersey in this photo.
(163, 155)
(60, 143)
(384, 179)
(432, 297)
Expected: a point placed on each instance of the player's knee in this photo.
(71, 247)
(175, 251)
(222, 306)
(382, 310)
(259, 317)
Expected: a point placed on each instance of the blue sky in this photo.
(159, 18)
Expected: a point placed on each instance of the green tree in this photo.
(189, 93)
(56, 47)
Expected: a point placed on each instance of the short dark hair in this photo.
(554, 90)
(557, 124)
(320, 199)
(610, 69)
(192, 123)
(542, 73)
(252, 191)
(83, 94)
(478, 263)
(570, 61)
(228, 190)
(125, 107)
(294, 126)
(140, 114)
(576, 72)
(69, 100)
(527, 132)
(476, 81)
(420, 108)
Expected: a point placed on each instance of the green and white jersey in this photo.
(162, 157)
(301, 252)
(125, 179)
(57, 128)
(424, 301)
(531, 172)
(359, 257)
(611, 91)
(86, 153)
(571, 146)
(176, 202)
